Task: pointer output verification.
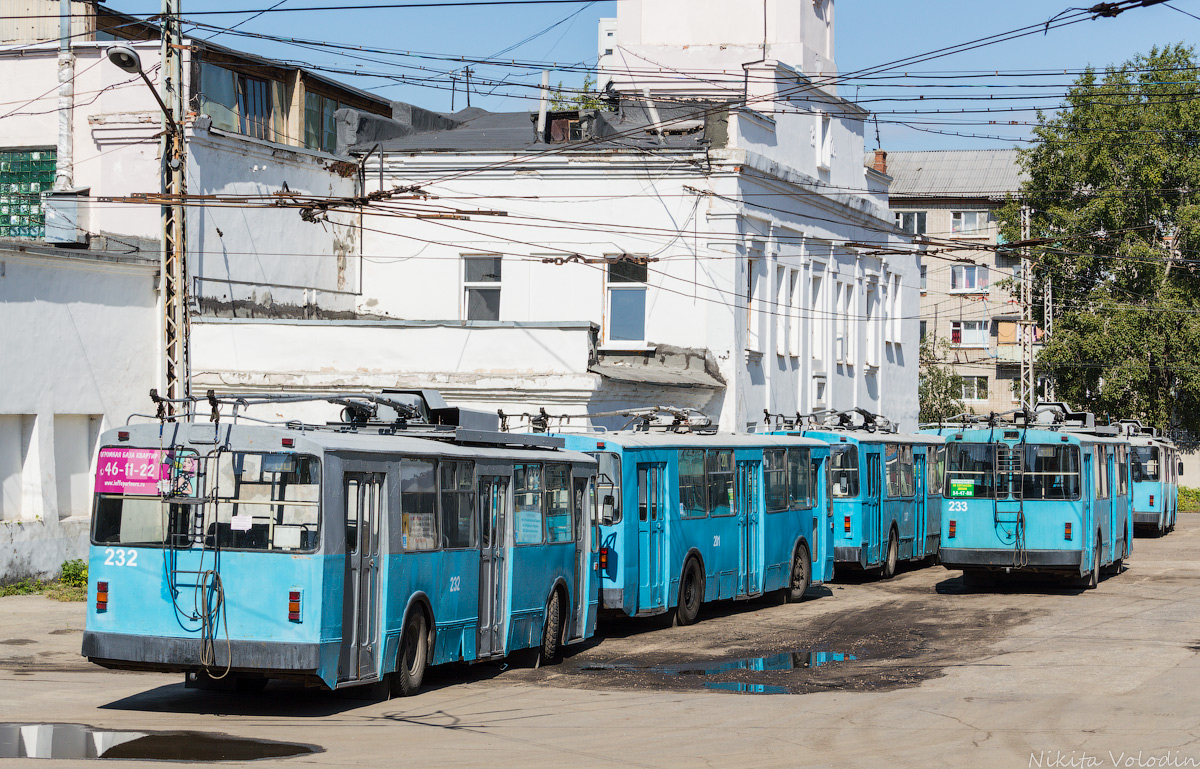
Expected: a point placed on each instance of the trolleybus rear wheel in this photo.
(801, 576)
(691, 594)
(1093, 579)
(1115, 566)
(413, 656)
(552, 632)
(893, 555)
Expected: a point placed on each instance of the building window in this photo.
(818, 330)
(968, 333)
(924, 329)
(320, 132)
(824, 142)
(968, 278)
(627, 301)
(754, 315)
(241, 103)
(924, 278)
(974, 388)
(24, 176)
(912, 222)
(481, 287)
(968, 222)
(794, 313)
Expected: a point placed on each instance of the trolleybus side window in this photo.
(801, 483)
(1051, 472)
(1122, 470)
(937, 469)
(843, 471)
(558, 504)
(457, 492)
(264, 501)
(775, 479)
(418, 505)
(971, 470)
(718, 465)
(1145, 463)
(899, 470)
(1101, 471)
(608, 486)
(527, 498)
(692, 495)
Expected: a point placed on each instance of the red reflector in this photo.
(288, 442)
(1066, 531)
(123, 435)
(293, 616)
(294, 595)
(953, 529)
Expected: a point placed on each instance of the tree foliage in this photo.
(939, 391)
(1113, 187)
(583, 98)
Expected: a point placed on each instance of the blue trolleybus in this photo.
(886, 495)
(1155, 470)
(343, 554)
(1041, 497)
(687, 518)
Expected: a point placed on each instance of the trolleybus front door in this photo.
(652, 508)
(584, 536)
(749, 519)
(493, 513)
(921, 508)
(366, 504)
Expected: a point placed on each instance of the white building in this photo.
(80, 323)
(718, 244)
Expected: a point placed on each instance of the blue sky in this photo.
(868, 33)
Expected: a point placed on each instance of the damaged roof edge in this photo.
(663, 365)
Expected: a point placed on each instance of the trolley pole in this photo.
(174, 189)
(1028, 388)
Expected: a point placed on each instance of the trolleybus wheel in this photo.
(1093, 579)
(893, 554)
(1115, 566)
(691, 594)
(552, 632)
(414, 654)
(801, 576)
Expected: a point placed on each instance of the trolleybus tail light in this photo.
(294, 606)
(846, 525)
(604, 559)
(288, 442)
(599, 444)
(1151, 500)
(101, 596)
(953, 528)
(123, 435)
(1066, 531)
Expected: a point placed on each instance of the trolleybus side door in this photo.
(920, 507)
(585, 577)
(366, 504)
(652, 510)
(493, 549)
(749, 519)
(872, 507)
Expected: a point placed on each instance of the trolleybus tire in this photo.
(552, 632)
(801, 576)
(888, 570)
(1115, 566)
(413, 655)
(691, 594)
(1090, 581)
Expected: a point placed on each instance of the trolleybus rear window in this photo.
(971, 471)
(264, 502)
(1051, 472)
(843, 471)
(1145, 463)
(802, 487)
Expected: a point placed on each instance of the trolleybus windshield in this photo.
(1051, 472)
(263, 502)
(843, 471)
(971, 470)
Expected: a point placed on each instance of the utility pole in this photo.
(1048, 325)
(174, 188)
(1028, 384)
(467, 83)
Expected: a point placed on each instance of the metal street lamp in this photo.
(128, 60)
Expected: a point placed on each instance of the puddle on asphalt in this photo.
(798, 660)
(76, 741)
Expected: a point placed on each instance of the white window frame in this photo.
(480, 285)
(982, 335)
(978, 273)
(611, 287)
(970, 387)
(918, 219)
(818, 319)
(794, 288)
(959, 220)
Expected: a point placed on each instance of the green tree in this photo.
(1113, 182)
(939, 389)
(584, 98)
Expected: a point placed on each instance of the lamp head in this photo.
(126, 58)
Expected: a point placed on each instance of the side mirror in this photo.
(607, 509)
